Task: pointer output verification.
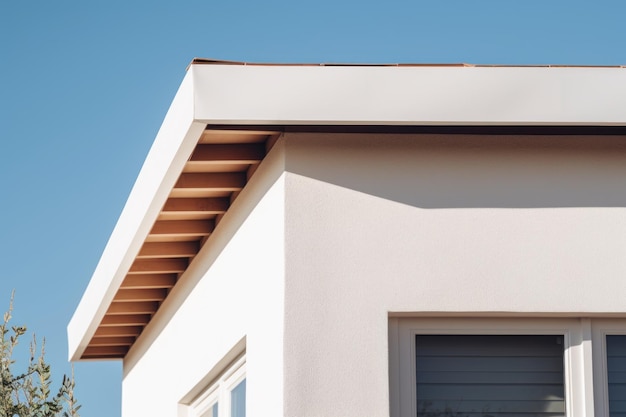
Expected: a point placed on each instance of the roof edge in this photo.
(172, 147)
(213, 61)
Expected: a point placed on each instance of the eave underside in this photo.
(219, 167)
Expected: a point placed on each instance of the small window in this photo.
(489, 375)
(225, 397)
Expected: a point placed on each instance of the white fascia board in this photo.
(173, 145)
(388, 95)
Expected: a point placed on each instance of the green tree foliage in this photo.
(29, 393)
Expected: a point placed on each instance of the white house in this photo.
(372, 241)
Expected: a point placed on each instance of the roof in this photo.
(227, 115)
(211, 61)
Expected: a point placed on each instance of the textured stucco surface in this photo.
(463, 225)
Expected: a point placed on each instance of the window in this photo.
(616, 374)
(507, 367)
(489, 375)
(490, 367)
(225, 396)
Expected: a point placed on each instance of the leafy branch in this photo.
(29, 393)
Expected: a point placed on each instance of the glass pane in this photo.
(489, 375)
(238, 400)
(616, 366)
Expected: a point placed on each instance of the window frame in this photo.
(577, 371)
(230, 383)
(206, 401)
(219, 391)
(601, 329)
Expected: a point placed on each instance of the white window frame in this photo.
(577, 354)
(219, 391)
(601, 329)
(208, 399)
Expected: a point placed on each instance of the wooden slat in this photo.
(183, 215)
(112, 341)
(235, 136)
(248, 153)
(220, 181)
(183, 227)
(198, 193)
(105, 352)
(168, 250)
(165, 265)
(118, 331)
(151, 294)
(149, 281)
(148, 307)
(126, 320)
(103, 356)
(191, 167)
(197, 205)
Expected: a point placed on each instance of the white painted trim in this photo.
(581, 394)
(600, 329)
(395, 365)
(371, 95)
(208, 399)
(233, 379)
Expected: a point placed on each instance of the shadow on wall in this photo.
(468, 171)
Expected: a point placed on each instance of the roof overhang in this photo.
(200, 135)
(409, 95)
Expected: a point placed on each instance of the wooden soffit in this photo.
(218, 169)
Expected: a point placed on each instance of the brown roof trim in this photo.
(210, 61)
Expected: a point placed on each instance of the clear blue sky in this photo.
(84, 86)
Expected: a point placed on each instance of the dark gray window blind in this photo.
(616, 366)
(490, 376)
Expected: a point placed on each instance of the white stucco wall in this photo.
(232, 290)
(309, 263)
(384, 224)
